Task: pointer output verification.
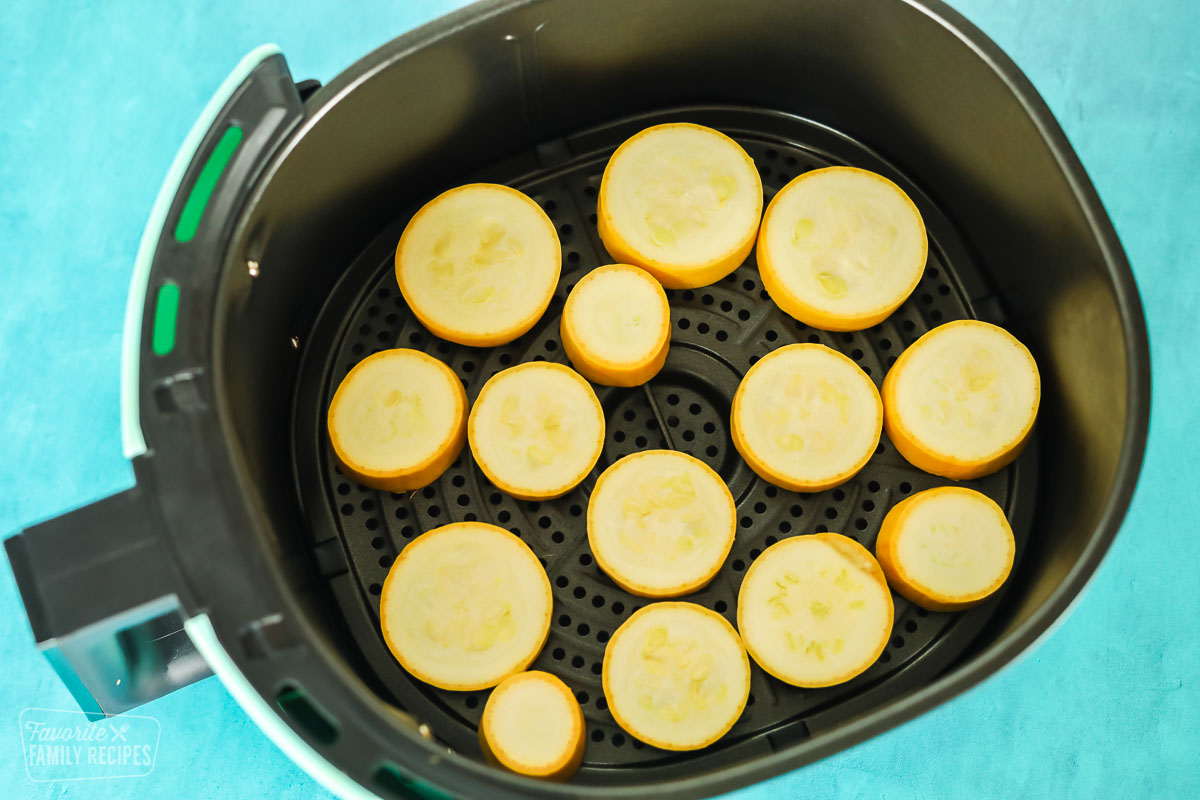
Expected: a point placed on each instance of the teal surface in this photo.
(96, 96)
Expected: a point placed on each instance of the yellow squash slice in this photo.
(478, 264)
(682, 202)
(815, 610)
(660, 523)
(465, 605)
(806, 418)
(676, 676)
(533, 725)
(841, 248)
(398, 420)
(946, 549)
(536, 430)
(616, 326)
(961, 401)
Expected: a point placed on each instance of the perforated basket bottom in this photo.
(718, 332)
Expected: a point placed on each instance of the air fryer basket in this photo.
(244, 544)
(717, 333)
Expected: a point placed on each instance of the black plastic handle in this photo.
(101, 591)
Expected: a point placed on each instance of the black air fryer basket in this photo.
(266, 274)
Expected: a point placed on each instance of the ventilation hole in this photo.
(506, 359)
(726, 306)
(905, 487)
(583, 630)
(629, 415)
(503, 517)
(755, 553)
(910, 626)
(739, 565)
(935, 315)
(364, 330)
(550, 205)
(592, 218)
(694, 408)
(375, 589)
(764, 170)
(897, 641)
(559, 654)
(551, 345)
(343, 488)
(385, 561)
(880, 449)
(372, 524)
(597, 735)
(294, 702)
(572, 256)
(770, 540)
(873, 486)
(785, 527)
(357, 349)
(860, 523)
(831, 513)
(589, 191)
(753, 360)
(582, 697)
(618, 607)
(618, 740)
(707, 299)
(750, 699)
(347, 509)
(747, 522)
(813, 338)
(673, 422)
(557, 537)
(494, 498)
(470, 516)
(743, 315)
(640, 441)
(885, 344)
(407, 531)
(597, 601)
(619, 436)
(577, 662)
(839, 495)
(377, 543)
(702, 328)
(885, 657)
(711, 451)
(428, 492)
(684, 323)
(576, 510)
(760, 508)
(457, 481)
(651, 424)
(868, 505)
(771, 491)
(926, 298)
(748, 285)
(797, 510)
(367, 505)
(562, 582)
(689, 435)
(597, 668)
(710, 427)
(580, 592)
(435, 511)
(771, 335)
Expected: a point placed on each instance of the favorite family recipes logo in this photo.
(67, 746)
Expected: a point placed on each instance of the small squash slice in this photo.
(682, 202)
(660, 523)
(616, 326)
(946, 549)
(465, 605)
(397, 420)
(806, 418)
(536, 430)
(815, 610)
(841, 248)
(676, 676)
(478, 264)
(533, 725)
(961, 401)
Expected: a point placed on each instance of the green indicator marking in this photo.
(166, 313)
(193, 209)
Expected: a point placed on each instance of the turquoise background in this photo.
(95, 97)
